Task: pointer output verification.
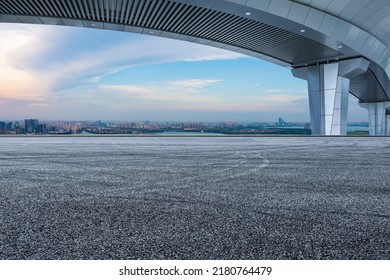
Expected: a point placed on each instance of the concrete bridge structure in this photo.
(340, 47)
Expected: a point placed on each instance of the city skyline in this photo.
(66, 73)
(281, 126)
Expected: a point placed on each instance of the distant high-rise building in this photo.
(100, 124)
(10, 126)
(18, 129)
(3, 128)
(30, 125)
(42, 129)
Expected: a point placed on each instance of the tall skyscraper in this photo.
(18, 129)
(3, 128)
(10, 126)
(42, 129)
(30, 125)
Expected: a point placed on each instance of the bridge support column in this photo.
(328, 86)
(379, 117)
(387, 122)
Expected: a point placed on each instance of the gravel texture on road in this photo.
(194, 198)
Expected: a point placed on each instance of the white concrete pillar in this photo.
(328, 99)
(328, 86)
(388, 121)
(379, 121)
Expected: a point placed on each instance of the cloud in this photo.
(276, 90)
(39, 105)
(46, 69)
(92, 66)
(184, 95)
(283, 98)
(129, 89)
(184, 91)
(20, 47)
(34, 64)
(196, 83)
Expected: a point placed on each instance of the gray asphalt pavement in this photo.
(194, 198)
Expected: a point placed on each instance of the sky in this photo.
(68, 73)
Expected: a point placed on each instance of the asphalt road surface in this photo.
(194, 198)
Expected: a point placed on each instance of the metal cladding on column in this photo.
(328, 97)
(378, 117)
(328, 86)
(387, 121)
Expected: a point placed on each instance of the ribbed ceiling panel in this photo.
(165, 15)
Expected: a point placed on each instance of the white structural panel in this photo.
(328, 87)
(378, 120)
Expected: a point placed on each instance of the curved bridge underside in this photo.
(300, 34)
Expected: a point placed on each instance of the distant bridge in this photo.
(339, 47)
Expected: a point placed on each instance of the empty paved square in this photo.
(194, 198)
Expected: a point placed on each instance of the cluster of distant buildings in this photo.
(30, 126)
(34, 127)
